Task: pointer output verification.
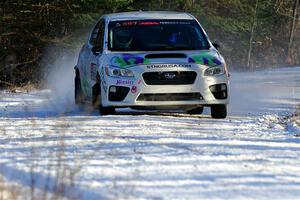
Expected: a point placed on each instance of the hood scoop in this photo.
(165, 55)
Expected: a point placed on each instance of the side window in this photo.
(100, 36)
(97, 36)
(94, 34)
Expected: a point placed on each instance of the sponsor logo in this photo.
(168, 66)
(133, 89)
(169, 75)
(125, 82)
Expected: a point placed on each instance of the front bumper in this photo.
(129, 92)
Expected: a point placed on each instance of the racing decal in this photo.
(128, 60)
(159, 66)
(103, 81)
(205, 59)
(133, 89)
(93, 71)
(139, 81)
(85, 85)
(149, 23)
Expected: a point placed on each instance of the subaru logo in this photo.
(169, 75)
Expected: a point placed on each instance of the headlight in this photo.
(118, 72)
(214, 71)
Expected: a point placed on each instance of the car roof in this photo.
(146, 15)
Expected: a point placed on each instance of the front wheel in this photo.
(218, 111)
(106, 110)
(78, 90)
(196, 111)
(97, 101)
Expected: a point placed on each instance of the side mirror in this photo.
(216, 45)
(96, 50)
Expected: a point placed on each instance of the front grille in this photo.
(170, 97)
(177, 78)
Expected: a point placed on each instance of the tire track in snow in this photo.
(158, 155)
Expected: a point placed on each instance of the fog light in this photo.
(118, 93)
(113, 89)
(223, 87)
(219, 91)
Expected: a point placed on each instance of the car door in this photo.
(95, 52)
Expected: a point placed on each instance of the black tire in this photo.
(218, 111)
(106, 110)
(97, 101)
(196, 111)
(78, 90)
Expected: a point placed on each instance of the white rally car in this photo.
(151, 60)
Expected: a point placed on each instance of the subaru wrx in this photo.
(151, 60)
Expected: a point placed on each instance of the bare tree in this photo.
(254, 23)
(292, 31)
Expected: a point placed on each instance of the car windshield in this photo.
(156, 35)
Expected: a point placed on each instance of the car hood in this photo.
(125, 60)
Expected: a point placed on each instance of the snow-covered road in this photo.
(47, 142)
